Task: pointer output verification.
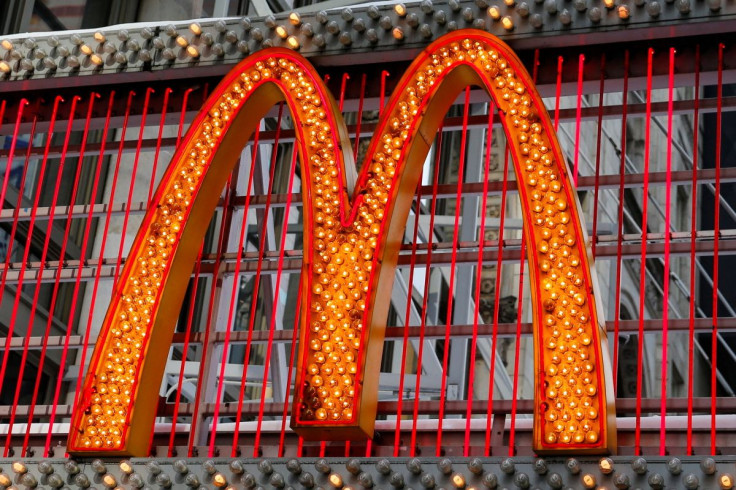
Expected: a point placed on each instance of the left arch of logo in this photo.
(351, 250)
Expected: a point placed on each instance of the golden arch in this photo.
(351, 250)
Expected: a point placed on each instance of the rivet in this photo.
(690, 481)
(554, 480)
(521, 480)
(396, 480)
(656, 481)
(445, 466)
(674, 466)
(475, 466)
(427, 480)
(621, 481)
(414, 466)
(573, 466)
(654, 8)
(508, 466)
(383, 466)
(490, 480)
(565, 17)
(639, 465)
(708, 465)
(365, 480)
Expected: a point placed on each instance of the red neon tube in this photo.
(578, 116)
(620, 233)
(257, 278)
(693, 233)
(29, 236)
(666, 286)
(62, 253)
(601, 93)
(407, 319)
(161, 125)
(103, 244)
(77, 284)
(478, 273)
(716, 238)
(643, 274)
(428, 265)
(18, 206)
(496, 300)
(451, 293)
(277, 287)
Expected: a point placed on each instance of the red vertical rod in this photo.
(558, 92)
(131, 188)
(257, 278)
(185, 350)
(515, 390)
(384, 74)
(183, 115)
(643, 267)
(693, 233)
(83, 353)
(9, 165)
(359, 116)
(666, 286)
(428, 265)
(233, 296)
(44, 252)
(343, 87)
(451, 292)
(221, 244)
(407, 319)
(77, 283)
(578, 115)
(601, 92)
(195, 285)
(62, 254)
(496, 300)
(290, 373)
(161, 125)
(18, 206)
(620, 234)
(277, 288)
(716, 238)
(478, 273)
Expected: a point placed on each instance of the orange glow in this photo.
(351, 248)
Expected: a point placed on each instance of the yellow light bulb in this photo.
(336, 480)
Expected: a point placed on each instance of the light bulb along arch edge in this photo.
(351, 251)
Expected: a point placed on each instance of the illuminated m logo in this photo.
(351, 250)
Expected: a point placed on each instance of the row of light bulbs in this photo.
(293, 31)
(458, 480)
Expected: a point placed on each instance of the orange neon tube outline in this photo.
(351, 250)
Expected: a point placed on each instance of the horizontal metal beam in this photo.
(151, 51)
(341, 472)
(395, 333)
(442, 255)
(444, 191)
